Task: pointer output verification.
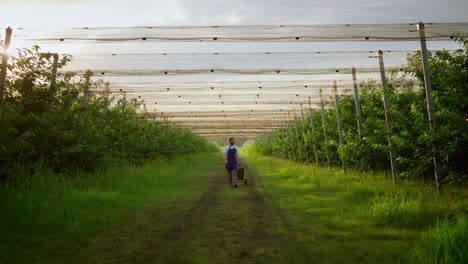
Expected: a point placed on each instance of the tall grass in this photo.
(447, 243)
(383, 215)
(46, 209)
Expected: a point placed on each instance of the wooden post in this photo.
(304, 132)
(430, 103)
(338, 120)
(166, 120)
(135, 103)
(298, 141)
(124, 102)
(357, 103)
(84, 103)
(4, 68)
(314, 134)
(276, 136)
(388, 120)
(358, 111)
(290, 135)
(53, 78)
(325, 135)
(106, 98)
(285, 131)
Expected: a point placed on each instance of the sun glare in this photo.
(60, 48)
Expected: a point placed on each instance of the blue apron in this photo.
(232, 160)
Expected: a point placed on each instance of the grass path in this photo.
(225, 225)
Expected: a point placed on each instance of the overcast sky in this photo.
(47, 13)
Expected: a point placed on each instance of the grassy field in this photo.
(182, 211)
(350, 219)
(45, 219)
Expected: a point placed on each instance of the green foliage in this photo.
(60, 128)
(412, 140)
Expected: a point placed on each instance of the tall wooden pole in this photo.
(358, 110)
(304, 132)
(357, 103)
(124, 102)
(388, 120)
(314, 134)
(325, 135)
(430, 103)
(277, 133)
(338, 120)
(298, 141)
(291, 138)
(106, 99)
(53, 81)
(53, 78)
(285, 132)
(4, 68)
(84, 102)
(135, 103)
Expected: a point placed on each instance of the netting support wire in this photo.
(430, 103)
(304, 131)
(314, 134)
(388, 121)
(324, 125)
(338, 120)
(4, 68)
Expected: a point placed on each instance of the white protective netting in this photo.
(252, 89)
(344, 32)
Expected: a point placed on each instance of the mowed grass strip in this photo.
(229, 225)
(351, 219)
(48, 219)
